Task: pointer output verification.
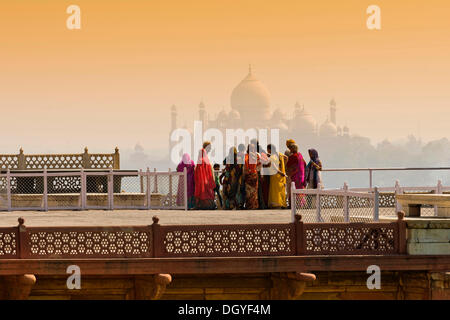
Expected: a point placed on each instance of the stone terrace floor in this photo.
(142, 217)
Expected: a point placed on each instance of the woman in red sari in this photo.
(251, 167)
(204, 181)
(295, 169)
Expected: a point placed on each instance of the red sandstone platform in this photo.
(143, 217)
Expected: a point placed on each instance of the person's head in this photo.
(186, 158)
(207, 146)
(216, 166)
(290, 142)
(241, 147)
(313, 154)
(293, 148)
(271, 148)
(232, 156)
(252, 147)
(256, 143)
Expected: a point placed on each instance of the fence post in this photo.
(83, 188)
(45, 195)
(8, 189)
(156, 181)
(148, 192)
(345, 203)
(376, 205)
(299, 234)
(370, 178)
(86, 159)
(398, 190)
(319, 214)
(110, 189)
(294, 203)
(401, 227)
(21, 162)
(22, 245)
(438, 191)
(116, 158)
(156, 237)
(170, 189)
(185, 191)
(141, 180)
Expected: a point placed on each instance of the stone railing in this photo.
(43, 190)
(84, 160)
(181, 241)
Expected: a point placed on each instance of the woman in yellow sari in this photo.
(277, 188)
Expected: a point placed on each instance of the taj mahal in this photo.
(251, 107)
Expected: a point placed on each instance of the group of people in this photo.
(252, 178)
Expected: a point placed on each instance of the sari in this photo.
(204, 183)
(230, 180)
(313, 177)
(252, 161)
(277, 189)
(187, 163)
(241, 181)
(263, 182)
(296, 171)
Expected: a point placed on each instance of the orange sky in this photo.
(112, 82)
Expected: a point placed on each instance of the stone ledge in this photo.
(428, 235)
(428, 248)
(427, 223)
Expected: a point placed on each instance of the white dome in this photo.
(328, 129)
(251, 99)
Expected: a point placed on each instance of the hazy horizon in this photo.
(112, 83)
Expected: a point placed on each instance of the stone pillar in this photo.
(21, 162)
(116, 159)
(86, 160)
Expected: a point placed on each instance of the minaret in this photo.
(173, 118)
(333, 111)
(202, 115)
(173, 125)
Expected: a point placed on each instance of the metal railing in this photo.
(357, 204)
(93, 189)
(337, 205)
(370, 171)
(179, 241)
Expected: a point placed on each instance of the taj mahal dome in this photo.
(251, 107)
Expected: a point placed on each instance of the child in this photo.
(217, 188)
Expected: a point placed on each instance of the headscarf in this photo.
(203, 157)
(314, 155)
(289, 142)
(185, 162)
(186, 159)
(232, 157)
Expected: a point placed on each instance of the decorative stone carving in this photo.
(151, 287)
(289, 286)
(16, 287)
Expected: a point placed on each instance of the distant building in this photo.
(251, 108)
